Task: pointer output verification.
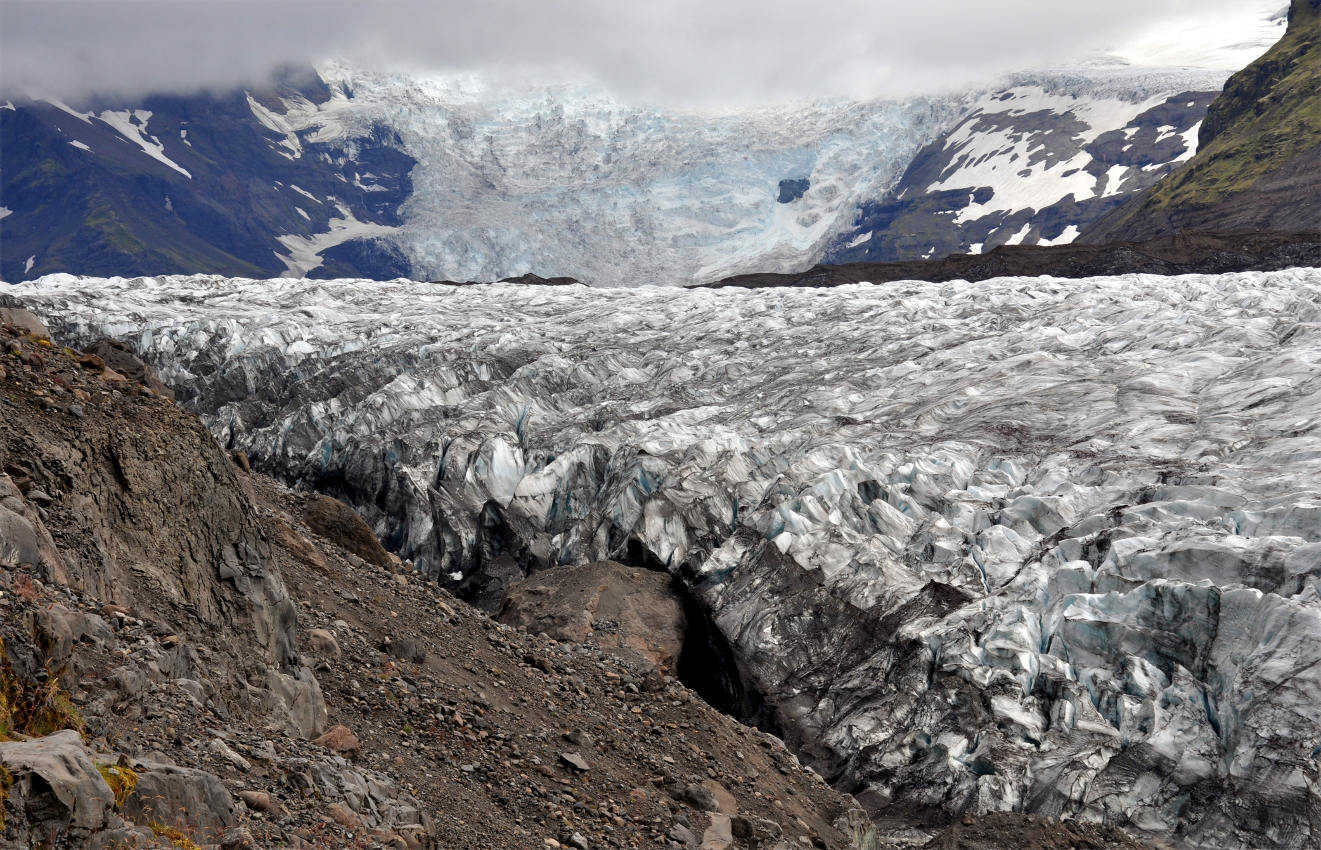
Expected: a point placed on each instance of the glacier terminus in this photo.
(1023, 545)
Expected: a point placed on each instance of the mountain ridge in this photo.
(346, 172)
(1260, 155)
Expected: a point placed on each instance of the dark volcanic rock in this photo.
(1185, 253)
(85, 199)
(792, 190)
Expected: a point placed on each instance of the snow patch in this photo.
(1066, 237)
(305, 251)
(279, 124)
(64, 107)
(1190, 142)
(1001, 158)
(1017, 238)
(132, 125)
(306, 194)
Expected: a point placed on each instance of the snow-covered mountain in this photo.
(175, 182)
(1027, 544)
(459, 177)
(1035, 164)
(569, 181)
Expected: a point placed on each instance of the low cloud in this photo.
(684, 51)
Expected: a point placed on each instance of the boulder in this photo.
(25, 319)
(341, 525)
(56, 785)
(24, 539)
(323, 643)
(19, 545)
(340, 739)
(190, 800)
(294, 703)
(119, 358)
(627, 611)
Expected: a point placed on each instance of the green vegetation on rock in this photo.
(1256, 167)
(1268, 114)
(32, 709)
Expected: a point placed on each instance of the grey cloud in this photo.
(686, 51)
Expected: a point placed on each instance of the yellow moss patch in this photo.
(6, 782)
(121, 780)
(174, 836)
(34, 710)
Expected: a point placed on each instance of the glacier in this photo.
(1040, 545)
(565, 179)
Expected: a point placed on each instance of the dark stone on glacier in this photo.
(531, 279)
(792, 190)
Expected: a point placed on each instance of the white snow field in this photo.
(1028, 544)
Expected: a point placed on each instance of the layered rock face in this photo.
(1028, 545)
(145, 511)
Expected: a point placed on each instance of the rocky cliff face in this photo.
(144, 511)
(1030, 545)
(1260, 151)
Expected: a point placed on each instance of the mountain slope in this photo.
(1033, 165)
(1259, 162)
(569, 180)
(353, 172)
(191, 183)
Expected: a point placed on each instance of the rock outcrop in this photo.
(1182, 253)
(1258, 166)
(627, 610)
(148, 513)
(55, 784)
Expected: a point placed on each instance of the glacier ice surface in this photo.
(1032, 544)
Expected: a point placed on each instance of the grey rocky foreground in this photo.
(1026, 544)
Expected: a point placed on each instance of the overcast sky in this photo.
(702, 52)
